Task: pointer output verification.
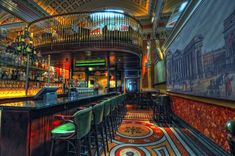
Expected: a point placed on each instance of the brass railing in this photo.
(85, 28)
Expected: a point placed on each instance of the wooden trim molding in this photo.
(161, 83)
(218, 102)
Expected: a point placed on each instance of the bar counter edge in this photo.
(25, 126)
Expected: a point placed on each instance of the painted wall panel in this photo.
(201, 59)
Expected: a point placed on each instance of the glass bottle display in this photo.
(13, 65)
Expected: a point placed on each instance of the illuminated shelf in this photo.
(10, 65)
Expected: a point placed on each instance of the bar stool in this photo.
(112, 115)
(98, 112)
(115, 117)
(155, 109)
(74, 132)
(230, 129)
(121, 107)
(107, 125)
(163, 111)
(123, 102)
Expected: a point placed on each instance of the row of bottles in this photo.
(12, 88)
(21, 60)
(12, 74)
(8, 84)
(13, 61)
(37, 76)
(7, 73)
(17, 52)
(85, 91)
(20, 74)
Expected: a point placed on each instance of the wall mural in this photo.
(201, 59)
(159, 72)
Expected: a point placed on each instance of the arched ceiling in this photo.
(7, 18)
(30, 10)
(133, 7)
(8, 21)
(13, 11)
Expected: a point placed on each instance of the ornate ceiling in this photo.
(30, 10)
(8, 21)
(133, 7)
(16, 11)
(169, 5)
(7, 18)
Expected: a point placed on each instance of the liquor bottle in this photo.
(24, 76)
(35, 76)
(36, 63)
(9, 75)
(34, 56)
(21, 60)
(17, 61)
(1, 73)
(21, 75)
(17, 75)
(14, 74)
(43, 63)
(13, 77)
(39, 63)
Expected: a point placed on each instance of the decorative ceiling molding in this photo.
(133, 7)
(8, 21)
(169, 5)
(26, 10)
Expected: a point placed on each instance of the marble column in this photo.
(149, 62)
(140, 74)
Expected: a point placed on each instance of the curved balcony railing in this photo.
(87, 29)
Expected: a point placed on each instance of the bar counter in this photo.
(39, 104)
(25, 126)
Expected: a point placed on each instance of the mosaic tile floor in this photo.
(138, 135)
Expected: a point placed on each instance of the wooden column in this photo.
(108, 71)
(116, 75)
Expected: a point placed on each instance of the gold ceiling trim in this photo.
(132, 7)
(7, 18)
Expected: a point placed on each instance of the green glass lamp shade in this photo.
(66, 128)
(28, 49)
(17, 39)
(22, 39)
(35, 52)
(18, 48)
(230, 126)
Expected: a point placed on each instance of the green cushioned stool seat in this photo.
(230, 126)
(77, 130)
(64, 129)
